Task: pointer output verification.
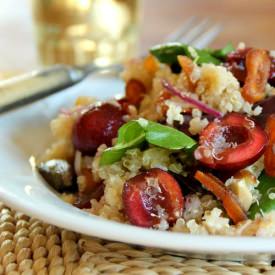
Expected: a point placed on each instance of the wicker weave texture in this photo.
(29, 246)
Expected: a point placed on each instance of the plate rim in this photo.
(182, 242)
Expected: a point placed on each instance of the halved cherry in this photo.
(269, 155)
(152, 196)
(231, 143)
(97, 126)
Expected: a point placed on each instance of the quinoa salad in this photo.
(189, 148)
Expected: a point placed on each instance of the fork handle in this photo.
(27, 88)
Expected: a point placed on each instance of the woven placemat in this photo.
(29, 246)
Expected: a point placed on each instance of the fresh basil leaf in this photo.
(169, 52)
(266, 203)
(167, 137)
(130, 135)
(111, 155)
(222, 53)
(135, 132)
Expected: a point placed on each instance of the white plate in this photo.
(25, 132)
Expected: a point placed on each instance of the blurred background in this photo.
(250, 21)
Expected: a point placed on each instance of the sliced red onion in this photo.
(200, 105)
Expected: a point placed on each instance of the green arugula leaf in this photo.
(168, 53)
(266, 203)
(135, 132)
(222, 53)
(206, 57)
(167, 137)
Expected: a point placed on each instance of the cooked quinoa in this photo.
(203, 213)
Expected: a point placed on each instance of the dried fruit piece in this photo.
(135, 91)
(97, 126)
(257, 64)
(231, 143)
(151, 198)
(269, 155)
(150, 64)
(229, 201)
(83, 200)
(235, 62)
(90, 183)
(187, 66)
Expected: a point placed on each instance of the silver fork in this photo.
(27, 88)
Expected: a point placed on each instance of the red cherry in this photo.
(231, 143)
(151, 197)
(97, 126)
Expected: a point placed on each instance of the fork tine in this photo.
(178, 33)
(207, 37)
(194, 31)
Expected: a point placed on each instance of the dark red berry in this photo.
(231, 143)
(97, 126)
(152, 197)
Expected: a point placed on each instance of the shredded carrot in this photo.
(230, 202)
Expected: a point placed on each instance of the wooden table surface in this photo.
(251, 21)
